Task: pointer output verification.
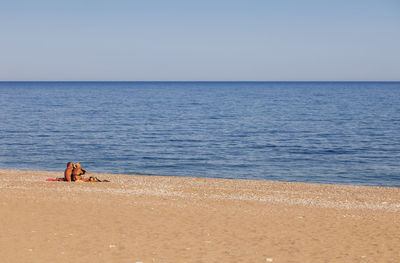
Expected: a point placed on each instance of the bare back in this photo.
(68, 173)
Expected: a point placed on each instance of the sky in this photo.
(321, 40)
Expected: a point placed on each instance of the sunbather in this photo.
(78, 172)
(68, 172)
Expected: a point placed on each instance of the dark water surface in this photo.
(342, 133)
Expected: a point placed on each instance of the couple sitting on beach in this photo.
(74, 173)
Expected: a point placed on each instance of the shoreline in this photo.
(139, 218)
(52, 172)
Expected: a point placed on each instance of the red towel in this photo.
(54, 179)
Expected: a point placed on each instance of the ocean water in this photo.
(319, 132)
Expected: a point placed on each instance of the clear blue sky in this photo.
(200, 40)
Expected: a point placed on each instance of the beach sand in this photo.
(169, 219)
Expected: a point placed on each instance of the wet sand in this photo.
(170, 219)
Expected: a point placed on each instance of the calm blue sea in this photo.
(320, 132)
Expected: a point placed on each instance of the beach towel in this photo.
(54, 179)
(91, 179)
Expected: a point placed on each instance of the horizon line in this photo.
(232, 81)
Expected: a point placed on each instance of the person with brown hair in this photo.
(68, 172)
(78, 172)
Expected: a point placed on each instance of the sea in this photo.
(316, 132)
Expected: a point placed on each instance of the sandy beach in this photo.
(169, 219)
